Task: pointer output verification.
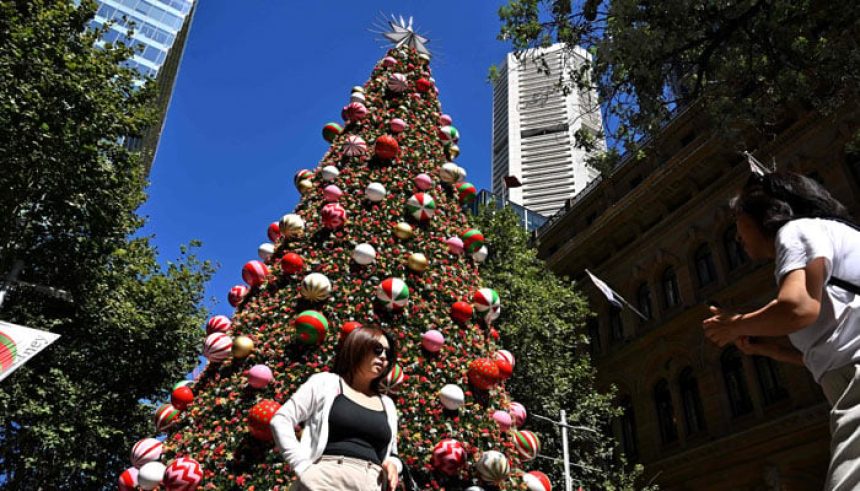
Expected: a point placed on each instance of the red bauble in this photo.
(254, 273)
(483, 373)
(292, 263)
(461, 312)
(260, 417)
(181, 397)
(274, 232)
(505, 364)
(386, 147)
(348, 327)
(423, 85)
(237, 294)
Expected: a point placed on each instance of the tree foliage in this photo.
(67, 212)
(748, 62)
(545, 318)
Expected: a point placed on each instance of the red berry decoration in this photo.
(260, 417)
(292, 263)
(461, 312)
(386, 147)
(254, 273)
(237, 294)
(483, 373)
(423, 85)
(182, 397)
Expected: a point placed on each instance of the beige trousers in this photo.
(333, 473)
(842, 389)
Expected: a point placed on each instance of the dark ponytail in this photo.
(774, 199)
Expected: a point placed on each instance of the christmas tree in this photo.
(379, 237)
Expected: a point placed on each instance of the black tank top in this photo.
(356, 431)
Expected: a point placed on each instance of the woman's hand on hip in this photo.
(390, 471)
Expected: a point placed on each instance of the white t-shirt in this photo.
(833, 340)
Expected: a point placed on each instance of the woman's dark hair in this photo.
(355, 348)
(774, 199)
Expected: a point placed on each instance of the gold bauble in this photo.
(242, 347)
(305, 186)
(453, 151)
(417, 262)
(403, 231)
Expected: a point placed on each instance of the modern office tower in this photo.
(534, 123)
(160, 31)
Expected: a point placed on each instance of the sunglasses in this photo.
(378, 349)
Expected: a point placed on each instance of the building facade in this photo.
(659, 231)
(534, 123)
(161, 29)
(529, 220)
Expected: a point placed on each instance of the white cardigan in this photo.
(311, 404)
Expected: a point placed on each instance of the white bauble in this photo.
(266, 250)
(315, 287)
(150, 475)
(481, 254)
(375, 192)
(357, 97)
(449, 172)
(452, 397)
(330, 173)
(461, 174)
(364, 254)
(291, 225)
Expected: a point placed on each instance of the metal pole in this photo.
(17, 266)
(568, 485)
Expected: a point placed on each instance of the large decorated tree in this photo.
(379, 237)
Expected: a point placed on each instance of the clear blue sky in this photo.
(258, 81)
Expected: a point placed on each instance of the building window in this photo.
(734, 250)
(671, 297)
(616, 325)
(736, 385)
(705, 270)
(627, 422)
(594, 335)
(694, 416)
(643, 300)
(769, 379)
(665, 412)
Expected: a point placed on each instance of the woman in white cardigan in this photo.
(349, 441)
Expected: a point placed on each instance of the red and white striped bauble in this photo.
(505, 361)
(333, 216)
(527, 444)
(218, 323)
(165, 417)
(354, 111)
(391, 383)
(182, 474)
(237, 294)
(354, 146)
(537, 481)
(449, 456)
(393, 293)
(518, 413)
(146, 450)
(274, 231)
(493, 466)
(217, 347)
(398, 82)
(254, 273)
(128, 479)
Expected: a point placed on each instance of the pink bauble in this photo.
(254, 273)
(259, 376)
(218, 323)
(445, 120)
(274, 231)
(146, 450)
(432, 340)
(128, 479)
(183, 474)
(217, 347)
(423, 181)
(397, 125)
(448, 456)
(333, 216)
(237, 294)
(332, 193)
(503, 419)
(455, 245)
(389, 61)
(518, 413)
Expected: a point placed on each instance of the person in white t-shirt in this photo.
(794, 221)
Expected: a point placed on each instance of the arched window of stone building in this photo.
(734, 250)
(643, 300)
(665, 412)
(694, 416)
(616, 325)
(705, 270)
(627, 421)
(736, 385)
(669, 280)
(769, 379)
(594, 336)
